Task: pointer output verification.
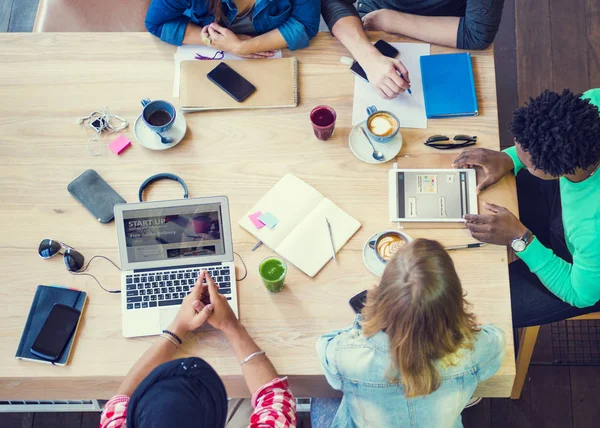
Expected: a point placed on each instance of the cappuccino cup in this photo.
(382, 126)
(388, 243)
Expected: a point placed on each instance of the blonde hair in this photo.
(420, 305)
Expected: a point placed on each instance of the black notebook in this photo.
(46, 296)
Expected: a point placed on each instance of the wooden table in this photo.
(48, 80)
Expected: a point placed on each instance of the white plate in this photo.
(151, 140)
(362, 149)
(371, 260)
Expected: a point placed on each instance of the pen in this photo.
(331, 239)
(402, 75)
(460, 247)
(258, 244)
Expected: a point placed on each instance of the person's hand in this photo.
(383, 74)
(193, 313)
(500, 227)
(495, 164)
(222, 317)
(377, 20)
(222, 38)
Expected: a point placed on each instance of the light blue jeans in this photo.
(323, 410)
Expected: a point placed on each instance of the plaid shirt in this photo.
(274, 406)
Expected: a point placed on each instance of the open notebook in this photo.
(301, 236)
(276, 82)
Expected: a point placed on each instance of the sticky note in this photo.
(120, 144)
(269, 220)
(255, 221)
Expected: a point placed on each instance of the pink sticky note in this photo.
(255, 221)
(120, 144)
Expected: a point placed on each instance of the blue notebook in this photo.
(448, 85)
(46, 296)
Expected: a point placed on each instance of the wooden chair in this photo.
(527, 341)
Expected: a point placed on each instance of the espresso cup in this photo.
(388, 243)
(382, 126)
(159, 116)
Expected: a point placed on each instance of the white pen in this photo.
(331, 239)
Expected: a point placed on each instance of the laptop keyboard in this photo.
(169, 287)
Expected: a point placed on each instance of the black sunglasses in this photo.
(462, 140)
(73, 259)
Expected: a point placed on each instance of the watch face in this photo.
(518, 245)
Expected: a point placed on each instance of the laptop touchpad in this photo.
(167, 316)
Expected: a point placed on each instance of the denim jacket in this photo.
(297, 20)
(357, 366)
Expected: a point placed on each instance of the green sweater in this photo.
(579, 283)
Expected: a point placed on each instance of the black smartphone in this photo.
(96, 195)
(386, 50)
(231, 82)
(56, 332)
(358, 302)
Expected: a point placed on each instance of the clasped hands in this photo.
(223, 39)
(204, 304)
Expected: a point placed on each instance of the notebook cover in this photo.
(448, 85)
(46, 296)
(276, 82)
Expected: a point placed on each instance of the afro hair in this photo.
(561, 132)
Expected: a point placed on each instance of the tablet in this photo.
(432, 195)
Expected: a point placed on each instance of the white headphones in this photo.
(101, 121)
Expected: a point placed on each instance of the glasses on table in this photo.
(459, 141)
(72, 258)
(217, 56)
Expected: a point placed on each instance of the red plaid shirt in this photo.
(274, 406)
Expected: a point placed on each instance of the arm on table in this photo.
(273, 402)
(165, 19)
(476, 30)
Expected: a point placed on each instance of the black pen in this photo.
(460, 247)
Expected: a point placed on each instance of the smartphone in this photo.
(358, 302)
(386, 50)
(231, 82)
(96, 195)
(56, 332)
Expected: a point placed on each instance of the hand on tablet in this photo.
(495, 164)
(499, 227)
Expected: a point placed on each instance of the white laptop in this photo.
(163, 246)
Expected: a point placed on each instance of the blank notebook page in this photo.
(308, 247)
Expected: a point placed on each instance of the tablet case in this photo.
(46, 296)
(96, 195)
(448, 85)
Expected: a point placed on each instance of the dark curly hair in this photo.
(561, 132)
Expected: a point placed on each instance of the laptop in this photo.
(163, 246)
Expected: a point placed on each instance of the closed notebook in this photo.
(448, 85)
(301, 235)
(46, 296)
(276, 82)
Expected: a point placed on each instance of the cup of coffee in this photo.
(159, 116)
(388, 243)
(323, 122)
(382, 126)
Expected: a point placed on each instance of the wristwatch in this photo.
(519, 244)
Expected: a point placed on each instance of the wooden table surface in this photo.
(49, 80)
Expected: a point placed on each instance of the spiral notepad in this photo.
(276, 82)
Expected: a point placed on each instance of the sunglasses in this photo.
(73, 259)
(461, 140)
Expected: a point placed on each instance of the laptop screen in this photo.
(173, 233)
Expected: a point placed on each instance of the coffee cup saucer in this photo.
(373, 263)
(151, 140)
(362, 149)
